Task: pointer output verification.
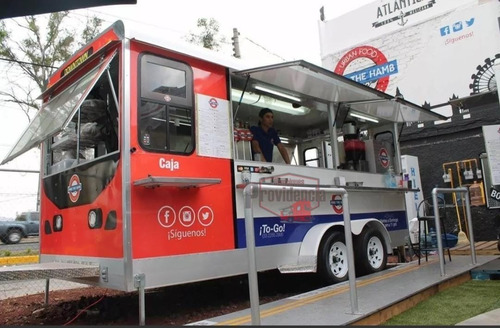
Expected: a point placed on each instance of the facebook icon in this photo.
(445, 30)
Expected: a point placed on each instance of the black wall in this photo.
(458, 140)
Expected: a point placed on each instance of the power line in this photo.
(265, 49)
(136, 21)
(26, 63)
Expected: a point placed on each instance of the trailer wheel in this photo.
(14, 236)
(371, 252)
(332, 258)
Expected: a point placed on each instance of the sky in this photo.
(287, 29)
(273, 31)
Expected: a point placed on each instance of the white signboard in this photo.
(492, 142)
(213, 127)
(434, 51)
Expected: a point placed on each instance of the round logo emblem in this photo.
(74, 188)
(213, 103)
(383, 157)
(336, 203)
(362, 56)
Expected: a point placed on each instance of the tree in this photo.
(208, 34)
(38, 52)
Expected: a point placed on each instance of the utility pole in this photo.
(236, 43)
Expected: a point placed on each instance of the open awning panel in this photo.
(56, 114)
(326, 86)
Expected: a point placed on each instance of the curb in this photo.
(11, 260)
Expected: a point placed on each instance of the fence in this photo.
(19, 193)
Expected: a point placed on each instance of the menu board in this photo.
(491, 165)
(213, 135)
(491, 135)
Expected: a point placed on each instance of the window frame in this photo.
(187, 103)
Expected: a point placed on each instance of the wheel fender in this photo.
(380, 227)
(17, 227)
(310, 244)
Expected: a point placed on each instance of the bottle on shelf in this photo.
(390, 178)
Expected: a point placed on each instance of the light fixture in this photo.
(254, 99)
(94, 218)
(363, 116)
(57, 222)
(277, 93)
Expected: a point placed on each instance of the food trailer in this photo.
(146, 151)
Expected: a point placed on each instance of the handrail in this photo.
(250, 243)
(435, 191)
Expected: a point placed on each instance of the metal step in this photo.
(50, 270)
(297, 268)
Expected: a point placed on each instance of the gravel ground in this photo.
(175, 305)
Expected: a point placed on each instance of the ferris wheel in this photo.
(484, 79)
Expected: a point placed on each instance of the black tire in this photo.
(332, 258)
(14, 236)
(370, 251)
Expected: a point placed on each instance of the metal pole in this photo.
(332, 111)
(397, 149)
(253, 283)
(471, 231)
(350, 256)
(47, 284)
(140, 284)
(438, 231)
(250, 243)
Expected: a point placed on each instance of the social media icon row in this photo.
(186, 216)
(456, 27)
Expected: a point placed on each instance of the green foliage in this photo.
(452, 306)
(26, 252)
(208, 30)
(91, 30)
(38, 49)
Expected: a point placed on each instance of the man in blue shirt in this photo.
(265, 138)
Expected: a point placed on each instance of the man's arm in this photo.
(284, 153)
(257, 150)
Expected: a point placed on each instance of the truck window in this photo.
(166, 105)
(92, 131)
(21, 217)
(311, 157)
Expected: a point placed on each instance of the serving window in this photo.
(166, 105)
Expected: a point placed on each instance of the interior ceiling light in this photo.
(277, 93)
(363, 116)
(254, 99)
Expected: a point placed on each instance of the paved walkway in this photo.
(491, 318)
(379, 297)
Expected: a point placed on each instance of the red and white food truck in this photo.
(146, 150)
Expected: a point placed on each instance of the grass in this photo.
(453, 305)
(25, 252)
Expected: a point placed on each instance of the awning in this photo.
(16, 8)
(326, 86)
(56, 114)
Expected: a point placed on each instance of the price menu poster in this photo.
(491, 135)
(213, 127)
